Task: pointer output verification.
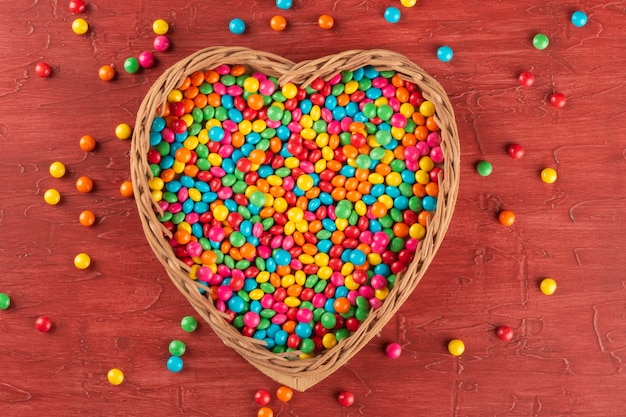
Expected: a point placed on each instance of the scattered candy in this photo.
(484, 168)
(52, 197)
(177, 348)
(548, 286)
(297, 206)
(506, 218)
(579, 18)
(408, 3)
(126, 189)
(115, 376)
(77, 6)
(456, 347)
(540, 41)
(505, 333)
(393, 350)
(82, 261)
(106, 72)
(43, 324)
(278, 23)
(526, 78)
(87, 143)
(57, 169)
(175, 364)
(146, 59)
(515, 150)
(558, 100)
(265, 412)
(444, 53)
(548, 175)
(284, 393)
(160, 27)
(80, 26)
(284, 4)
(345, 398)
(5, 301)
(262, 397)
(325, 21)
(189, 324)
(131, 65)
(161, 43)
(392, 14)
(86, 218)
(237, 26)
(123, 131)
(84, 184)
(43, 69)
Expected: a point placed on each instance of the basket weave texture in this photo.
(299, 374)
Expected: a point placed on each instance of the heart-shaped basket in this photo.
(297, 373)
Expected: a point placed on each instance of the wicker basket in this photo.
(299, 374)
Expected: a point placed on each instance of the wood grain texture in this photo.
(567, 357)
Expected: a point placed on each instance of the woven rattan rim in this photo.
(299, 374)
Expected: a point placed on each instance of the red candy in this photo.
(43, 70)
(43, 324)
(515, 151)
(77, 6)
(262, 397)
(505, 333)
(345, 398)
(558, 100)
(526, 79)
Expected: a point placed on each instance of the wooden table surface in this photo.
(568, 354)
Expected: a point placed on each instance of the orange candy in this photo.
(341, 305)
(278, 23)
(106, 72)
(325, 21)
(87, 143)
(256, 102)
(87, 218)
(284, 394)
(506, 218)
(379, 209)
(126, 189)
(84, 184)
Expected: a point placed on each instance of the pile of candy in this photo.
(297, 207)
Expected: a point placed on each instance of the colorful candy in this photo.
(526, 78)
(106, 72)
(278, 23)
(146, 59)
(57, 169)
(548, 175)
(52, 197)
(408, 3)
(82, 261)
(43, 324)
(115, 376)
(237, 26)
(77, 6)
(43, 69)
(175, 364)
(126, 189)
(558, 100)
(392, 14)
(161, 43)
(84, 184)
(177, 348)
(579, 18)
(5, 301)
(80, 26)
(131, 65)
(123, 131)
(284, 4)
(87, 143)
(515, 150)
(265, 412)
(456, 347)
(484, 168)
(506, 218)
(86, 218)
(326, 21)
(297, 207)
(160, 27)
(505, 333)
(284, 394)
(189, 324)
(345, 398)
(548, 286)
(393, 350)
(262, 397)
(444, 53)
(540, 41)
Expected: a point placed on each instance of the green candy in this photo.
(363, 161)
(267, 313)
(208, 112)
(383, 137)
(484, 168)
(197, 114)
(238, 322)
(205, 88)
(311, 280)
(283, 172)
(342, 333)
(155, 169)
(328, 320)
(346, 76)
(245, 213)
(320, 286)
(240, 187)
(259, 263)
(258, 199)
(170, 197)
(242, 264)
(228, 180)
(202, 151)
(221, 113)
(307, 345)
(228, 80)
(415, 204)
(397, 165)
(343, 209)
(337, 89)
(205, 243)
(163, 148)
(267, 288)
(5, 301)
(377, 154)
(178, 218)
(177, 348)
(264, 323)
(397, 244)
(365, 84)
(194, 129)
(229, 262)
(384, 112)
(189, 324)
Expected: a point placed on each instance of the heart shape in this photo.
(322, 201)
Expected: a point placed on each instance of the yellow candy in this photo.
(259, 126)
(187, 118)
(386, 200)
(360, 207)
(289, 228)
(322, 140)
(381, 101)
(280, 205)
(57, 169)
(548, 175)
(192, 271)
(220, 212)
(351, 87)
(308, 133)
(295, 214)
(256, 294)
(203, 136)
(306, 259)
(327, 153)
(123, 131)
(274, 180)
(184, 226)
(289, 90)
(80, 26)
(324, 272)
(408, 3)
(347, 269)
(329, 340)
(397, 133)
(387, 157)
(417, 231)
(82, 261)
(302, 226)
(382, 293)
(427, 108)
(321, 259)
(292, 301)
(263, 276)
(115, 376)
(292, 162)
(195, 195)
(315, 112)
(157, 195)
(548, 286)
(422, 177)
(214, 122)
(215, 159)
(178, 167)
(349, 283)
(374, 259)
(269, 200)
(341, 224)
(320, 166)
(251, 85)
(156, 183)
(426, 163)
(394, 179)
(191, 142)
(287, 281)
(52, 197)
(375, 178)
(456, 347)
(160, 27)
(245, 127)
(407, 110)
(306, 121)
(175, 96)
(305, 182)
(300, 277)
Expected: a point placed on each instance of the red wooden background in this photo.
(569, 351)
